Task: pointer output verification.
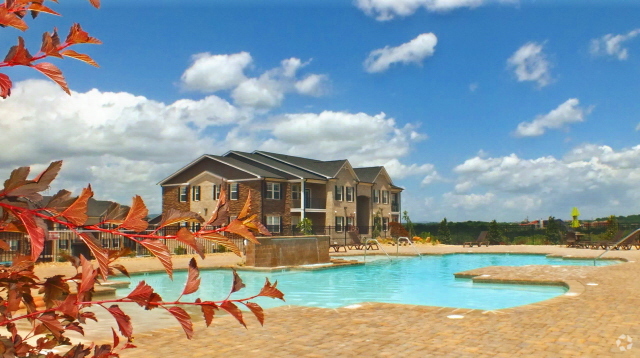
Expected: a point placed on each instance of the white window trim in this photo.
(385, 196)
(274, 193)
(339, 192)
(231, 191)
(298, 192)
(349, 190)
(339, 228)
(183, 194)
(195, 193)
(270, 222)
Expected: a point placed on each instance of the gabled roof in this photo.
(368, 174)
(189, 171)
(327, 169)
(274, 164)
(261, 172)
(95, 208)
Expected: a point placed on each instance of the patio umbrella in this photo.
(574, 214)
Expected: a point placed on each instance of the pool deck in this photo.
(586, 322)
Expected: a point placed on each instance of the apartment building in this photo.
(286, 189)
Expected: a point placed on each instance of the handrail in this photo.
(612, 246)
(379, 245)
(404, 238)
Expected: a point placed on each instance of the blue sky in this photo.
(481, 109)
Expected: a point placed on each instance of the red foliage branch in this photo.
(23, 210)
(12, 13)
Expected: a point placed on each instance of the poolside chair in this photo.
(571, 239)
(357, 243)
(628, 242)
(336, 247)
(482, 239)
(605, 244)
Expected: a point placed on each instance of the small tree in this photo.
(444, 235)
(396, 230)
(408, 223)
(612, 228)
(553, 230)
(496, 233)
(305, 226)
(377, 224)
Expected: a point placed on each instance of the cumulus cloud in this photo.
(384, 10)
(611, 45)
(414, 51)
(529, 63)
(598, 179)
(566, 113)
(123, 144)
(212, 73)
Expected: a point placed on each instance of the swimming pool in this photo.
(419, 281)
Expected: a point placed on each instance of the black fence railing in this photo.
(313, 203)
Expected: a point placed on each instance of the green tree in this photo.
(553, 231)
(496, 233)
(444, 235)
(305, 226)
(408, 224)
(612, 228)
(377, 224)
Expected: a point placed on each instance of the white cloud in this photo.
(384, 10)
(473, 86)
(529, 63)
(566, 113)
(414, 51)
(611, 45)
(211, 73)
(598, 179)
(120, 143)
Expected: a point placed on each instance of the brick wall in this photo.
(253, 186)
(170, 199)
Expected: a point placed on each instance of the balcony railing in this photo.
(395, 207)
(313, 203)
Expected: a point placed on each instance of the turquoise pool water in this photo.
(418, 281)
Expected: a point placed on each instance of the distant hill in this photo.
(631, 219)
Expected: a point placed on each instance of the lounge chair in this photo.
(357, 244)
(482, 239)
(605, 244)
(571, 239)
(628, 242)
(336, 247)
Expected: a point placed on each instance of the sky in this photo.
(480, 109)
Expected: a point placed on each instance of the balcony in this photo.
(395, 207)
(313, 203)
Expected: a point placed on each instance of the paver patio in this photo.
(585, 323)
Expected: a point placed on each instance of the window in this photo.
(215, 192)
(273, 223)
(233, 191)
(338, 194)
(295, 192)
(385, 197)
(385, 224)
(115, 243)
(349, 222)
(273, 191)
(63, 244)
(349, 193)
(195, 193)
(376, 196)
(182, 194)
(339, 223)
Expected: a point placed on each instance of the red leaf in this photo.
(88, 277)
(238, 227)
(208, 310)
(185, 320)
(115, 214)
(233, 310)
(4, 246)
(174, 216)
(193, 278)
(257, 311)
(17, 178)
(18, 185)
(185, 236)
(160, 250)
(5, 86)
(79, 36)
(95, 3)
(18, 55)
(80, 57)
(76, 213)
(51, 322)
(123, 320)
(54, 73)
(98, 252)
(116, 338)
(144, 296)
(237, 282)
(69, 306)
(246, 210)
(36, 233)
(269, 290)
(135, 218)
(41, 8)
(75, 326)
(222, 240)
(10, 19)
(221, 213)
(122, 269)
(50, 43)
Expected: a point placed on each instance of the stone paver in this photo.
(584, 324)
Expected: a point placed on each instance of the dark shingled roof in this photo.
(327, 168)
(250, 168)
(288, 170)
(368, 174)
